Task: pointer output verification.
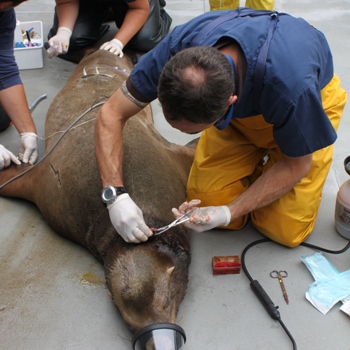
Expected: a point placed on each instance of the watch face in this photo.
(108, 194)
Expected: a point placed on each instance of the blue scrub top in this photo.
(299, 64)
(9, 74)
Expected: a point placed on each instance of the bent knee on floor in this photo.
(284, 230)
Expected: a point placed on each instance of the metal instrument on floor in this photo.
(280, 275)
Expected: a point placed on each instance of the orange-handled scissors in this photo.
(280, 275)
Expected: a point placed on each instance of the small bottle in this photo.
(52, 51)
(342, 206)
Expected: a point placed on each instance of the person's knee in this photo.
(79, 42)
(141, 43)
(283, 229)
(290, 239)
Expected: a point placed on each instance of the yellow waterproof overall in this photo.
(233, 4)
(228, 161)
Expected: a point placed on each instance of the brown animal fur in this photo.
(147, 281)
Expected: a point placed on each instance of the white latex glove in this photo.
(204, 218)
(6, 157)
(115, 46)
(28, 150)
(60, 42)
(127, 219)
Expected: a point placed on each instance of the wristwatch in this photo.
(110, 194)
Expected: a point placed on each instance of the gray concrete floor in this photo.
(52, 294)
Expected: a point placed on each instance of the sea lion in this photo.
(66, 187)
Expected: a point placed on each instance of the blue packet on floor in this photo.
(324, 294)
(330, 286)
(319, 266)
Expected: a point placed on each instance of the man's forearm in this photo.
(67, 13)
(14, 101)
(273, 184)
(109, 126)
(109, 149)
(133, 22)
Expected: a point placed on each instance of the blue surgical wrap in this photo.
(330, 286)
(324, 294)
(319, 266)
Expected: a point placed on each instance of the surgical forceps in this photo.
(176, 222)
(280, 275)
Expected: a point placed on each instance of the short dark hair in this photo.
(195, 85)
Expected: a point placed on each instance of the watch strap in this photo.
(120, 190)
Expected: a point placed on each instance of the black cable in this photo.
(260, 292)
(288, 333)
(245, 251)
(325, 249)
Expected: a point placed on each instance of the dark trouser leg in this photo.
(87, 29)
(5, 120)
(153, 31)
